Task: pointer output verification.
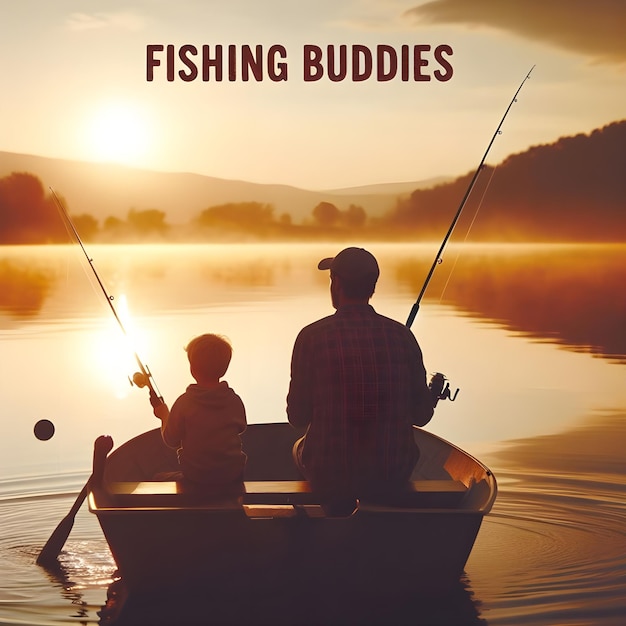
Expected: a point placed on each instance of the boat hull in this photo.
(418, 551)
(162, 540)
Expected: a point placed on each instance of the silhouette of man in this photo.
(358, 385)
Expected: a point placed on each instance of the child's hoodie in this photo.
(205, 425)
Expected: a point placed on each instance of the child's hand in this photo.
(161, 411)
(159, 407)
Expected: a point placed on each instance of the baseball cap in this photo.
(355, 264)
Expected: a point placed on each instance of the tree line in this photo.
(28, 215)
(571, 190)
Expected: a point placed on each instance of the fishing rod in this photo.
(142, 378)
(470, 187)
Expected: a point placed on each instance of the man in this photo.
(358, 385)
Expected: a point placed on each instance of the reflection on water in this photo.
(573, 295)
(594, 449)
(24, 287)
(88, 566)
(567, 294)
(552, 421)
(290, 606)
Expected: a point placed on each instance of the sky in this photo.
(74, 76)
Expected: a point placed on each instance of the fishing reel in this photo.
(142, 379)
(440, 389)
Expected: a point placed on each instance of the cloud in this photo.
(369, 15)
(595, 29)
(97, 21)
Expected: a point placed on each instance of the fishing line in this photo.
(144, 377)
(469, 228)
(71, 233)
(468, 191)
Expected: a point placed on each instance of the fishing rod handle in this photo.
(413, 314)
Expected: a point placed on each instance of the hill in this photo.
(104, 190)
(571, 190)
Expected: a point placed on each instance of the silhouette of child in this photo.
(206, 421)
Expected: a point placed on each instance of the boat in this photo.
(276, 535)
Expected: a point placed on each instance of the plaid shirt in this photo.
(358, 383)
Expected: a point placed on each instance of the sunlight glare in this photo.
(119, 133)
(116, 351)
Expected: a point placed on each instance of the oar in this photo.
(55, 543)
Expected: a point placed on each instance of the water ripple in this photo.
(552, 552)
(557, 548)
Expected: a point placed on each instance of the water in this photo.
(534, 336)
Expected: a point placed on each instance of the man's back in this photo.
(358, 382)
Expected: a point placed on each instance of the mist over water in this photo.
(533, 336)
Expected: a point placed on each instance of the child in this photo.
(205, 422)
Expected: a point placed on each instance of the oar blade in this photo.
(55, 543)
(57, 539)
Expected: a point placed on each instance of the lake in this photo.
(534, 336)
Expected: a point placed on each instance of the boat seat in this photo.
(420, 494)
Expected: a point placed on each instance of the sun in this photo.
(118, 132)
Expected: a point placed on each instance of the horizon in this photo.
(89, 98)
(138, 168)
(434, 180)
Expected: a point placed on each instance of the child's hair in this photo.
(209, 356)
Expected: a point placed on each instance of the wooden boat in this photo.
(276, 535)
